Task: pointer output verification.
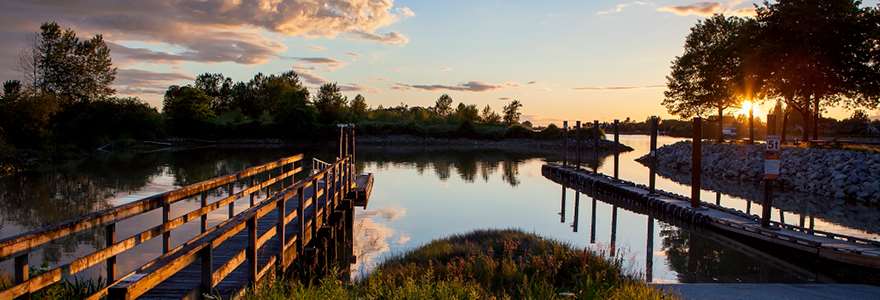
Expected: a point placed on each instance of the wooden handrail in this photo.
(201, 248)
(26, 242)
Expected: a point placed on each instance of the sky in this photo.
(564, 60)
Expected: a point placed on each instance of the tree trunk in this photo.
(784, 123)
(816, 119)
(720, 124)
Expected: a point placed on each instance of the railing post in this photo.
(653, 161)
(353, 144)
(110, 239)
(204, 218)
(231, 191)
(696, 162)
(565, 143)
(577, 144)
(341, 140)
(300, 221)
(22, 271)
(316, 205)
(252, 194)
(207, 268)
(251, 253)
(166, 234)
(616, 153)
(281, 232)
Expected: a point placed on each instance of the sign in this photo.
(772, 161)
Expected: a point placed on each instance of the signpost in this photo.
(772, 167)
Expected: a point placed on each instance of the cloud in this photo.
(612, 88)
(135, 82)
(446, 69)
(708, 8)
(316, 48)
(392, 38)
(244, 32)
(470, 86)
(354, 87)
(353, 55)
(403, 239)
(387, 213)
(531, 82)
(327, 62)
(504, 98)
(308, 76)
(621, 6)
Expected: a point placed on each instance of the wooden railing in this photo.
(330, 185)
(19, 247)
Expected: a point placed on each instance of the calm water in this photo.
(421, 195)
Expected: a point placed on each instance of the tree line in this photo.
(66, 102)
(806, 55)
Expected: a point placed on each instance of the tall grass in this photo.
(484, 264)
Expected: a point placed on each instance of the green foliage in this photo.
(72, 69)
(27, 119)
(489, 116)
(95, 123)
(358, 108)
(466, 113)
(187, 110)
(332, 106)
(443, 106)
(512, 113)
(484, 264)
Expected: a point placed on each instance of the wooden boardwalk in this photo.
(834, 247)
(306, 221)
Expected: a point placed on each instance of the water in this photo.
(421, 195)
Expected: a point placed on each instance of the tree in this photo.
(331, 104)
(358, 108)
(74, 70)
(219, 88)
(11, 91)
(467, 113)
(187, 109)
(443, 106)
(817, 53)
(512, 113)
(710, 74)
(489, 116)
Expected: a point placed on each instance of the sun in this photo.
(749, 105)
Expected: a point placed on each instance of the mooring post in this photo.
(577, 204)
(596, 146)
(593, 222)
(616, 153)
(562, 209)
(577, 143)
(768, 178)
(652, 163)
(613, 229)
(649, 251)
(565, 144)
(696, 162)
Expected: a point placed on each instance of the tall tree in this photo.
(218, 87)
(817, 53)
(358, 108)
(489, 116)
(331, 104)
(512, 113)
(443, 106)
(467, 113)
(187, 109)
(710, 74)
(74, 70)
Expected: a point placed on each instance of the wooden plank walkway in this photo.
(835, 247)
(188, 280)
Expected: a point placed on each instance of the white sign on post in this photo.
(772, 165)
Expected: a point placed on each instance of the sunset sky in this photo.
(562, 59)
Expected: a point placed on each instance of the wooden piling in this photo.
(577, 143)
(562, 208)
(696, 162)
(596, 146)
(565, 143)
(616, 154)
(110, 239)
(649, 251)
(652, 164)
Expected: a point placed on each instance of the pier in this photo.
(305, 223)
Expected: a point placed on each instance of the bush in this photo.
(484, 264)
(518, 132)
(90, 124)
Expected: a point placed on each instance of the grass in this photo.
(484, 264)
(67, 289)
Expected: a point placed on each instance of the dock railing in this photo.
(19, 247)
